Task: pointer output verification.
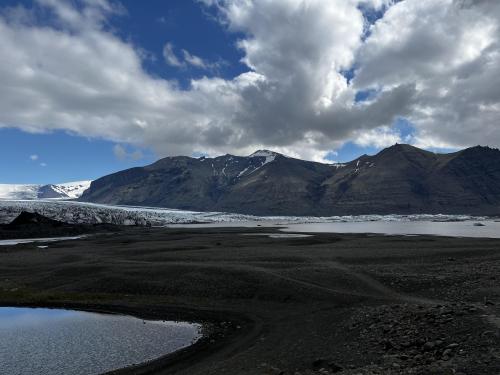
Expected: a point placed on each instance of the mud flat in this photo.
(329, 303)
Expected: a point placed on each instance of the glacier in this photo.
(68, 190)
(91, 213)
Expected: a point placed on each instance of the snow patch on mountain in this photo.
(263, 153)
(269, 155)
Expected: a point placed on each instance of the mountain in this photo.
(70, 190)
(401, 179)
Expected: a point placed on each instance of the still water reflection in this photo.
(485, 228)
(48, 341)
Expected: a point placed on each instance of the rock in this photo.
(388, 345)
(428, 346)
(447, 352)
(335, 367)
(319, 363)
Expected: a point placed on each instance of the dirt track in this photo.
(350, 304)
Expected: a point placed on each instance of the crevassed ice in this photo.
(80, 212)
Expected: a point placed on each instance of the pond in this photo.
(51, 341)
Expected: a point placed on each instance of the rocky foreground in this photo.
(326, 304)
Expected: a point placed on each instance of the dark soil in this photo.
(344, 304)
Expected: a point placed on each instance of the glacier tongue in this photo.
(91, 213)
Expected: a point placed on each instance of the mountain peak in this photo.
(402, 147)
(263, 153)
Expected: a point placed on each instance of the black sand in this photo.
(349, 304)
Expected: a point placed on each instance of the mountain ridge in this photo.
(399, 179)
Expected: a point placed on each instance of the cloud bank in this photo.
(433, 62)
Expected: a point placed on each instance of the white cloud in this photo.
(187, 59)
(170, 56)
(43, 164)
(378, 137)
(453, 64)
(121, 153)
(293, 97)
(34, 157)
(193, 60)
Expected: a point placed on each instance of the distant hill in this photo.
(69, 190)
(400, 179)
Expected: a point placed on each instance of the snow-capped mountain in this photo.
(69, 190)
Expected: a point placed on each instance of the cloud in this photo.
(294, 96)
(453, 64)
(378, 137)
(170, 56)
(34, 157)
(121, 153)
(43, 164)
(187, 59)
(194, 60)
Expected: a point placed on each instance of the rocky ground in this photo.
(326, 304)
(34, 225)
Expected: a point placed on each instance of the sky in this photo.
(89, 87)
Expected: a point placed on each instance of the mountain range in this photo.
(69, 190)
(401, 179)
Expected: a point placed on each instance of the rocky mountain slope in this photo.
(400, 179)
(70, 190)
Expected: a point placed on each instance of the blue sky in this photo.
(59, 157)
(93, 87)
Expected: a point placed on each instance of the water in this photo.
(48, 341)
(279, 235)
(30, 240)
(490, 229)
